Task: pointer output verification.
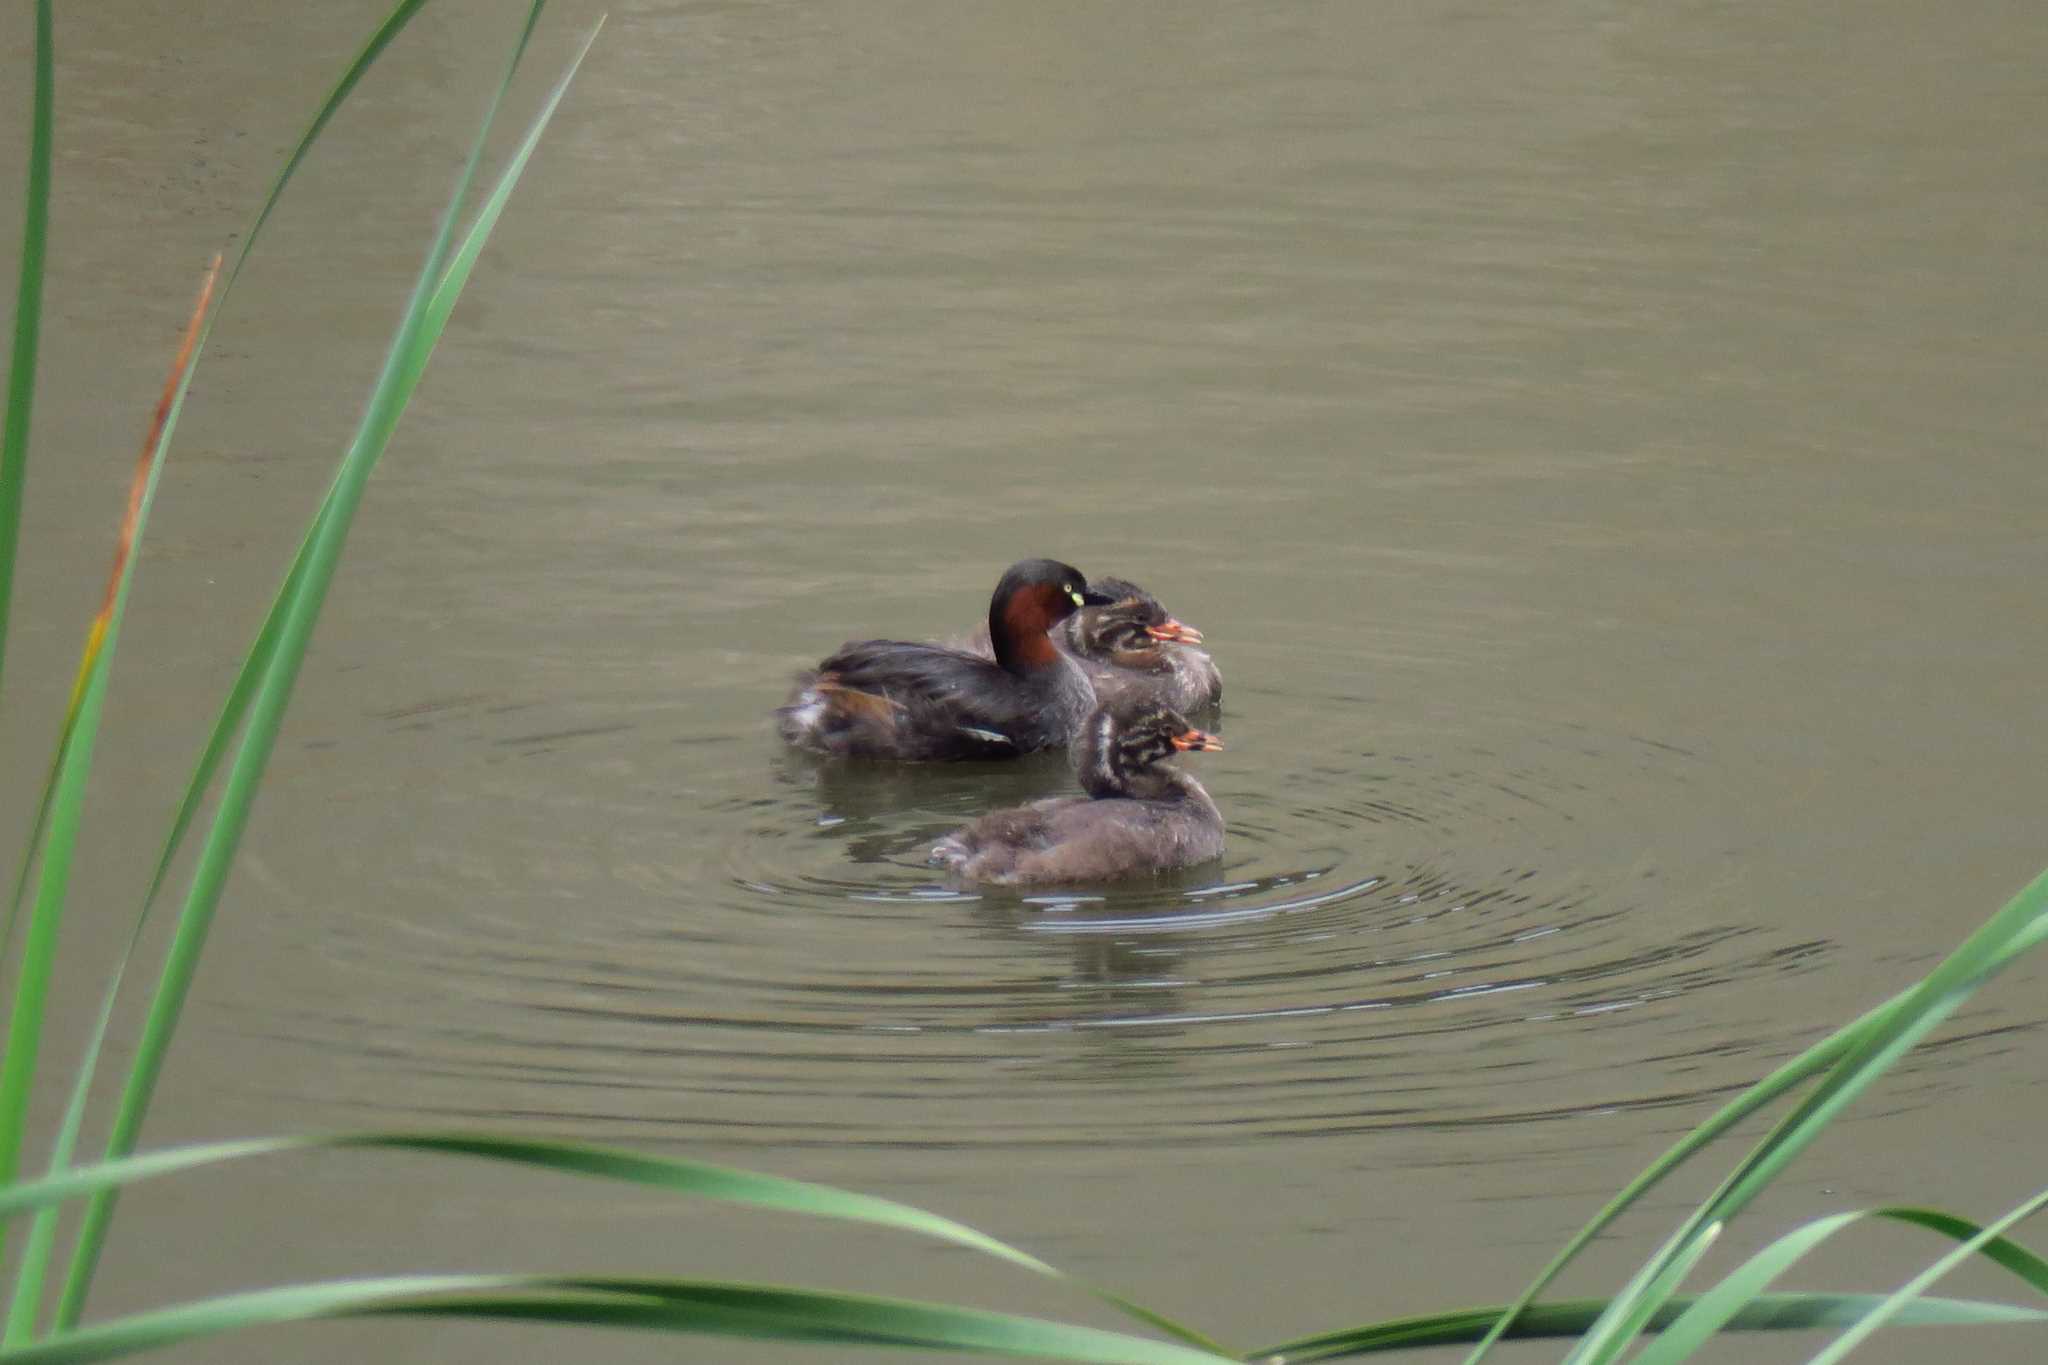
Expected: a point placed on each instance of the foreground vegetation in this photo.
(45, 1316)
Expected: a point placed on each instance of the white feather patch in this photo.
(990, 736)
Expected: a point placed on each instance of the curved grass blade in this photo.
(441, 305)
(701, 1179)
(1748, 1280)
(254, 665)
(773, 1313)
(1897, 1301)
(1882, 1038)
(1571, 1317)
(1711, 1310)
(61, 806)
(28, 324)
(18, 413)
(726, 1183)
(1625, 1326)
(697, 1307)
(394, 23)
(34, 1265)
(1848, 1060)
(403, 365)
(1787, 1077)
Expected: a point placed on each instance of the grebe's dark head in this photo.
(1131, 623)
(1124, 742)
(1033, 597)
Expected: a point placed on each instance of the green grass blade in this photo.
(2021, 926)
(28, 313)
(13, 450)
(1615, 1331)
(1790, 1076)
(58, 817)
(394, 23)
(1748, 1280)
(773, 1313)
(39, 945)
(449, 288)
(760, 1190)
(63, 800)
(1845, 1057)
(2001, 1251)
(725, 1183)
(258, 659)
(696, 1307)
(404, 363)
(34, 1266)
(14, 429)
(47, 806)
(36, 830)
(34, 1271)
(231, 713)
(1713, 1309)
(1897, 1301)
(676, 1176)
(1571, 1317)
(1875, 1042)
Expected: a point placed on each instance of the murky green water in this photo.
(1602, 447)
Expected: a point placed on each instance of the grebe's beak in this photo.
(1175, 632)
(1092, 598)
(1198, 739)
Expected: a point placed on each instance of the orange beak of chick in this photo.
(1175, 632)
(1198, 739)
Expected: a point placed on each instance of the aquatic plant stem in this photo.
(404, 363)
(63, 798)
(28, 315)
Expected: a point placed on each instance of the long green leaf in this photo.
(245, 682)
(699, 1307)
(1785, 1078)
(394, 23)
(81, 721)
(34, 1267)
(697, 1178)
(63, 800)
(1875, 1043)
(1844, 1054)
(1747, 1281)
(1623, 1326)
(1571, 1317)
(404, 363)
(14, 428)
(1897, 1301)
(1711, 1311)
(28, 314)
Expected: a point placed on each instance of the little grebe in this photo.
(1131, 647)
(897, 699)
(1141, 815)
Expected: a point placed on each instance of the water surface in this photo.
(1601, 446)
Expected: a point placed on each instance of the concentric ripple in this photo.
(1394, 939)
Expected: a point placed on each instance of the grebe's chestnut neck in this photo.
(1032, 598)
